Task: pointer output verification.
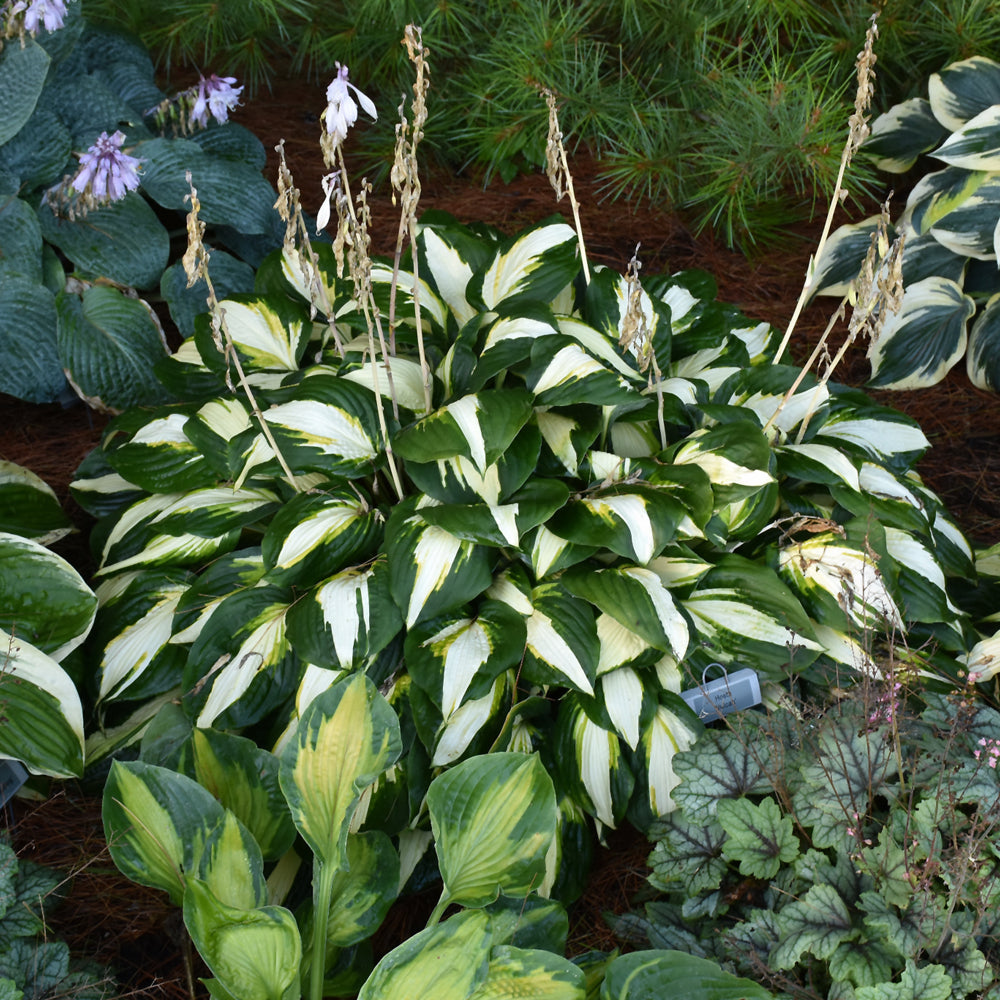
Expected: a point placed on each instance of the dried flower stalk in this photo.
(557, 170)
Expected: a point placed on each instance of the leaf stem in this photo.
(323, 876)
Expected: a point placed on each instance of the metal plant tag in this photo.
(731, 692)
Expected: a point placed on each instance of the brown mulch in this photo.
(134, 929)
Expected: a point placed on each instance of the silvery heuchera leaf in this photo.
(863, 962)
(687, 855)
(816, 925)
(888, 864)
(758, 836)
(927, 982)
(965, 964)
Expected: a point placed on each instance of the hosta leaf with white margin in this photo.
(345, 739)
(479, 427)
(42, 598)
(133, 630)
(562, 373)
(519, 972)
(963, 89)
(182, 528)
(254, 954)
(157, 822)
(447, 961)
(935, 196)
(982, 362)
(637, 598)
(884, 433)
(976, 144)
(561, 646)
(902, 134)
(758, 836)
(536, 264)
(457, 656)
(29, 507)
(633, 520)
(970, 228)
(743, 614)
(346, 618)
(326, 424)
(316, 534)
(591, 763)
(815, 925)
(431, 570)
(244, 778)
(646, 975)
(42, 714)
(242, 665)
(671, 730)
(494, 818)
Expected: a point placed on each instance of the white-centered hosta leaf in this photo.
(818, 462)
(459, 729)
(884, 433)
(561, 645)
(263, 336)
(921, 580)
(449, 272)
(601, 346)
(408, 289)
(401, 379)
(983, 660)
(619, 645)
(666, 735)
(622, 694)
(843, 648)
(969, 229)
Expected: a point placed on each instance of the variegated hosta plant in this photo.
(951, 225)
(535, 541)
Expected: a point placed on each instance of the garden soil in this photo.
(135, 930)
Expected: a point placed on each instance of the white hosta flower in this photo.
(341, 108)
(331, 190)
(216, 96)
(106, 172)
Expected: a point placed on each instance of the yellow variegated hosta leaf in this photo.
(541, 975)
(231, 865)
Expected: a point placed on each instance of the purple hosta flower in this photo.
(106, 173)
(48, 14)
(341, 109)
(216, 96)
(992, 748)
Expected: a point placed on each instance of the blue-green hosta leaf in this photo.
(254, 954)
(669, 732)
(899, 136)
(42, 714)
(29, 507)
(22, 76)
(983, 359)
(432, 570)
(518, 972)
(42, 598)
(327, 424)
(182, 528)
(157, 822)
(244, 778)
(758, 836)
(976, 145)
(537, 264)
(447, 961)
(32, 370)
(494, 819)
(637, 598)
(921, 343)
(743, 613)
(230, 276)
(346, 618)
(457, 657)
(648, 975)
(935, 196)
(969, 229)
(562, 646)
(964, 89)
(817, 924)
(562, 373)
(346, 738)
(591, 763)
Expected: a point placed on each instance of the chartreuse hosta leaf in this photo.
(254, 954)
(29, 506)
(645, 975)
(519, 972)
(494, 820)
(964, 89)
(42, 715)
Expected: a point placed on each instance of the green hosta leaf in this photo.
(316, 534)
(494, 818)
(759, 837)
(637, 599)
(536, 264)
(41, 717)
(447, 961)
(456, 658)
(29, 507)
(346, 738)
(817, 924)
(652, 975)
(157, 822)
(31, 368)
(255, 954)
(268, 334)
(963, 89)
(562, 645)
(328, 424)
(22, 74)
(529, 922)
(687, 856)
(244, 779)
(347, 618)
(432, 570)
(935, 196)
(42, 597)
(928, 982)
(516, 972)
(108, 344)
(983, 360)
(976, 145)
(899, 136)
